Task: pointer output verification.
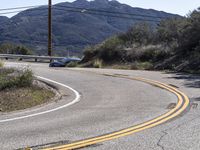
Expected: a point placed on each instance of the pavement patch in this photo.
(173, 85)
(171, 106)
(194, 105)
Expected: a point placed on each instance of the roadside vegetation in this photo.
(17, 90)
(9, 48)
(173, 45)
(1, 63)
(12, 78)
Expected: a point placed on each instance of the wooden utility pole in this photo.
(50, 29)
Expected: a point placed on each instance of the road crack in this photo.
(165, 132)
(160, 139)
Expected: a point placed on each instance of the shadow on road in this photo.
(190, 80)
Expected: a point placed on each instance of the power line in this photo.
(10, 12)
(105, 11)
(86, 13)
(108, 15)
(25, 7)
(5, 11)
(82, 10)
(91, 13)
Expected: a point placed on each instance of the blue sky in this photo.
(181, 7)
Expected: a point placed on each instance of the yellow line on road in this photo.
(182, 104)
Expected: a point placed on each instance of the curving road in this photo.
(107, 104)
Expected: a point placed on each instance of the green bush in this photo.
(12, 78)
(109, 50)
(25, 78)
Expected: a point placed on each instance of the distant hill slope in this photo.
(71, 30)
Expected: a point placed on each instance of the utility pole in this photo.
(50, 29)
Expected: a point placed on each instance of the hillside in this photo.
(71, 30)
(173, 45)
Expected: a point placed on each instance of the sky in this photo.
(181, 7)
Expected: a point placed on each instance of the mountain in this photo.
(75, 25)
(3, 20)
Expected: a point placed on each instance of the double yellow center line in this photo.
(182, 104)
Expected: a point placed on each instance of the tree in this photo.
(169, 30)
(22, 50)
(190, 38)
(140, 33)
(9, 48)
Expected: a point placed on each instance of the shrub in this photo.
(145, 66)
(10, 78)
(144, 46)
(25, 78)
(89, 53)
(72, 64)
(1, 63)
(141, 66)
(109, 50)
(152, 53)
(140, 33)
(97, 63)
(134, 66)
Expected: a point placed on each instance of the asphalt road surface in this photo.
(107, 104)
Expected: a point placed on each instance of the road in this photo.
(107, 104)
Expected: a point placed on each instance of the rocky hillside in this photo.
(73, 30)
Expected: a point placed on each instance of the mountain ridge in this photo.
(72, 30)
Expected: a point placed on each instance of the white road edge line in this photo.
(76, 100)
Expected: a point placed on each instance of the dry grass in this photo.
(17, 91)
(98, 63)
(21, 98)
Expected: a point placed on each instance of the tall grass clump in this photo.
(97, 63)
(1, 64)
